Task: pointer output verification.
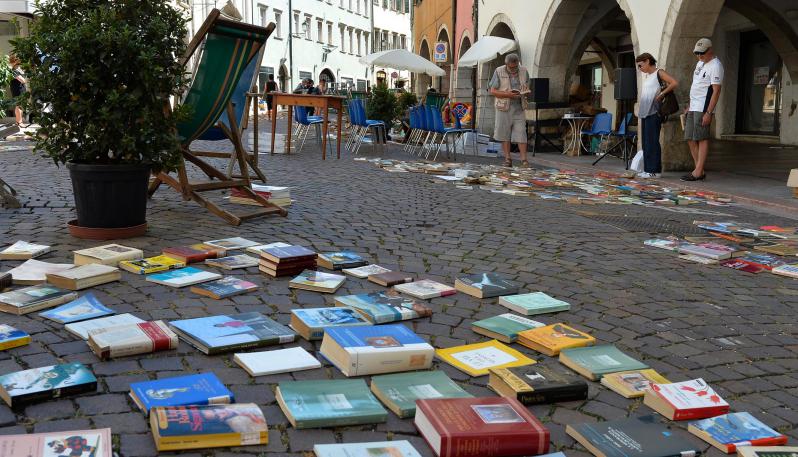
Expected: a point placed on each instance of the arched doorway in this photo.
(443, 83)
(424, 81)
(500, 26)
(463, 76)
(328, 76)
(282, 78)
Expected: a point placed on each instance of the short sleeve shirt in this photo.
(704, 76)
(515, 83)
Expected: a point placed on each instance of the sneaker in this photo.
(644, 175)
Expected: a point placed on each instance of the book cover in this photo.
(486, 285)
(258, 250)
(288, 253)
(33, 271)
(215, 334)
(24, 387)
(765, 261)
(317, 281)
(194, 253)
(34, 298)
(87, 275)
(84, 308)
(73, 443)
(82, 328)
(536, 384)
(741, 265)
(425, 288)
(340, 260)
(476, 359)
(728, 431)
(277, 361)
(23, 250)
(596, 361)
(385, 306)
(329, 403)
(634, 383)
(183, 277)
(667, 243)
(132, 339)
(533, 303)
(400, 391)
(226, 287)
(11, 337)
(195, 389)
(203, 426)
(365, 271)
(311, 322)
(693, 399)
(713, 251)
(5, 281)
(390, 278)
(767, 451)
(637, 436)
(396, 448)
(552, 339)
(698, 259)
(232, 244)
(233, 262)
(151, 264)
(784, 270)
(504, 327)
(109, 254)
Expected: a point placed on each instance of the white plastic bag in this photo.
(637, 162)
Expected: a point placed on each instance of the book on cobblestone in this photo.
(23, 250)
(486, 285)
(637, 436)
(729, 431)
(195, 389)
(686, 400)
(228, 286)
(504, 327)
(288, 254)
(194, 253)
(740, 264)
(33, 272)
(258, 250)
(425, 288)
(317, 281)
(151, 265)
(6, 280)
(109, 254)
(390, 278)
(476, 359)
(177, 428)
(233, 262)
(767, 451)
(384, 306)
(340, 260)
(400, 391)
(310, 323)
(232, 244)
(132, 339)
(714, 251)
(365, 271)
(329, 403)
(85, 276)
(34, 298)
(533, 303)
(277, 361)
(480, 427)
(217, 334)
(790, 270)
(24, 387)
(375, 349)
(536, 384)
(11, 337)
(597, 361)
(183, 277)
(664, 243)
(89, 443)
(396, 448)
(81, 309)
(552, 339)
(81, 329)
(634, 383)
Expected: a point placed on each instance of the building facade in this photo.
(462, 78)
(433, 27)
(391, 30)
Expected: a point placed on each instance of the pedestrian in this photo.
(311, 89)
(509, 85)
(271, 86)
(704, 95)
(651, 97)
(322, 88)
(18, 87)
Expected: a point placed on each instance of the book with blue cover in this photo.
(84, 308)
(195, 389)
(310, 323)
(28, 386)
(729, 431)
(11, 337)
(183, 277)
(216, 334)
(384, 306)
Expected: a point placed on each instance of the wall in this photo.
(429, 17)
(464, 27)
(393, 21)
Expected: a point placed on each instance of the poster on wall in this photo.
(761, 75)
(441, 52)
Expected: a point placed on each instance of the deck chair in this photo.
(229, 48)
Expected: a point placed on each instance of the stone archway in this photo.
(464, 75)
(423, 81)
(443, 83)
(500, 26)
(328, 75)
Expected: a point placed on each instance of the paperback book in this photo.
(29, 386)
(340, 260)
(11, 337)
(277, 361)
(317, 281)
(400, 391)
(767, 451)
(664, 243)
(84, 276)
(194, 253)
(34, 298)
(686, 400)
(365, 271)
(232, 244)
(77, 443)
(476, 359)
(258, 250)
(329, 403)
(552, 339)
(81, 309)
(109, 254)
(637, 436)
(228, 286)
(504, 327)
(23, 250)
(176, 428)
(396, 448)
(217, 334)
(288, 254)
(82, 328)
(594, 362)
(151, 265)
(310, 323)
(183, 277)
(5, 281)
(384, 307)
(486, 285)
(535, 384)
(634, 383)
(132, 339)
(32, 272)
(233, 262)
(729, 431)
(390, 278)
(533, 303)
(425, 288)
(195, 389)
(786, 270)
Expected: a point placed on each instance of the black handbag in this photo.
(669, 105)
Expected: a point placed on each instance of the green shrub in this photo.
(406, 100)
(381, 105)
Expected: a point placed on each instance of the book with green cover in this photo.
(504, 327)
(329, 403)
(400, 391)
(533, 303)
(593, 362)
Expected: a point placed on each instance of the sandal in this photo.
(524, 164)
(508, 163)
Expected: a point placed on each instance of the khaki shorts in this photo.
(693, 130)
(511, 124)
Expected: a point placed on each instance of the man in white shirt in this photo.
(704, 95)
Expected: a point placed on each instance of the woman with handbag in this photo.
(657, 102)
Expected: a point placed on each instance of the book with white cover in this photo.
(183, 277)
(786, 270)
(109, 254)
(396, 448)
(231, 244)
(279, 361)
(425, 288)
(698, 259)
(33, 272)
(365, 271)
(22, 250)
(258, 250)
(695, 393)
(82, 329)
(87, 275)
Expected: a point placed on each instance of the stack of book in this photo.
(286, 261)
(280, 196)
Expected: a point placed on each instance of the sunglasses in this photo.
(699, 53)
(640, 66)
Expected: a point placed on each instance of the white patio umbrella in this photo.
(485, 49)
(402, 59)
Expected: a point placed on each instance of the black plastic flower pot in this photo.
(110, 196)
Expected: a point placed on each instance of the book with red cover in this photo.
(194, 253)
(686, 400)
(480, 427)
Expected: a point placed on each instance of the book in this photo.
(741, 265)
(634, 383)
(233, 262)
(277, 361)
(5, 281)
(400, 391)
(317, 281)
(693, 399)
(81, 329)
(485, 285)
(504, 327)
(151, 265)
(291, 270)
(536, 384)
(131, 339)
(552, 339)
(83, 443)
(194, 253)
(340, 260)
(384, 307)
(766, 451)
(476, 359)
(698, 259)
(288, 254)
(195, 389)
(258, 250)
(204, 426)
(84, 276)
(596, 361)
(714, 251)
(329, 403)
(764, 261)
(34, 298)
(728, 431)
(388, 348)
(32, 272)
(397, 448)
(390, 278)
(23, 250)
(222, 288)
(11, 337)
(667, 243)
(183, 277)
(81, 309)
(778, 249)
(637, 436)
(365, 271)
(786, 270)
(533, 303)
(232, 244)
(109, 254)
(310, 323)
(29, 386)
(217, 334)
(425, 288)
(480, 427)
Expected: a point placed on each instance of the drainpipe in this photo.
(290, 87)
(475, 20)
(451, 47)
(371, 45)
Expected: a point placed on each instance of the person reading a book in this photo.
(509, 85)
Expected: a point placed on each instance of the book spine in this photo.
(363, 363)
(553, 395)
(494, 445)
(53, 393)
(251, 344)
(14, 343)
(699, 413)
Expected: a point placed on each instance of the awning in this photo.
(401, 59)
(485, 49)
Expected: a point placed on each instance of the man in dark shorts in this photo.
(704, 96)
(18, 86)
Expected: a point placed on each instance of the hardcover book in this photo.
(425, 288)
(33, 272)
(29, 386)
(317, 281)
(637, 436)
(82, 328)
(217, 334)
(729, 431)
(109, 254)
(11, 337)
(552, 339)
(533, 303)
(194, 253)
(258, 250)
(23, 250)
(228, 286)
(480, 427)
(329, 403)
(233, 262)
(594, 362)
(632, 384)
(388, 348)
(288, 254)
(383, 307)
(84, 308)
(232, 244)
(390, 278)
(183, 277)
(486, 285)
(277, 361)
(340, 260)
(34, 298)
(693, 399)
(741, 265)
(310, 323)
(365, 271)
(176, 428)
(131, 339)
(535, 384)
(504, 327)
(667, 243)
(767, 451)
(84, 276)
(714, 251)
(400, 391)
(151, 265)
(397, 448)
(78, 443)
(195, 389)
(476, 359)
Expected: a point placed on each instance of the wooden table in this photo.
(323, 102)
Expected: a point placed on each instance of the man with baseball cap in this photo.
(704, 95)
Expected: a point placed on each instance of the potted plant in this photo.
(382, 104)
(6, 101)
(100, 77)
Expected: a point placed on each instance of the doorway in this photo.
(759, 89)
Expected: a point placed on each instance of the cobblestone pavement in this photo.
(686, 320)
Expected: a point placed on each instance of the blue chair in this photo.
(601, 128)
(376, 127)
(444, 132)
(423, 130)
(414, 128)
(305, 123)
(626, 141)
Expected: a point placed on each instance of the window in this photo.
(357, 6)
(330, 33)
(351, 42)
(366, 8)
(296, 23)
(385, 43)
(319, 31)
(306, 27)
(263, 77)
(361, 85)
(278, 31)
(343, 41)
(347, 82)
(403, 42)
(358, 43)
(407, 6)
(366, 43)
(262, 11)
(384, 4)
(305, 75)
(376, 46)
(395, 41)
(350, 5)
(341, 4)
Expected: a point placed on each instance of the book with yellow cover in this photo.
(552, 339)
(151, 264)
(204, 426)
(632, 384)
(476, 359)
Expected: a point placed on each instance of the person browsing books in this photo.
(704, 96)
(509, 86)
(651, 97)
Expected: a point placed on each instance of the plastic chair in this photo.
(375, 126)
(601, 128)
(305, 123)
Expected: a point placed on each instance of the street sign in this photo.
(440, 53)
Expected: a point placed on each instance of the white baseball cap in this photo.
(702, 45)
